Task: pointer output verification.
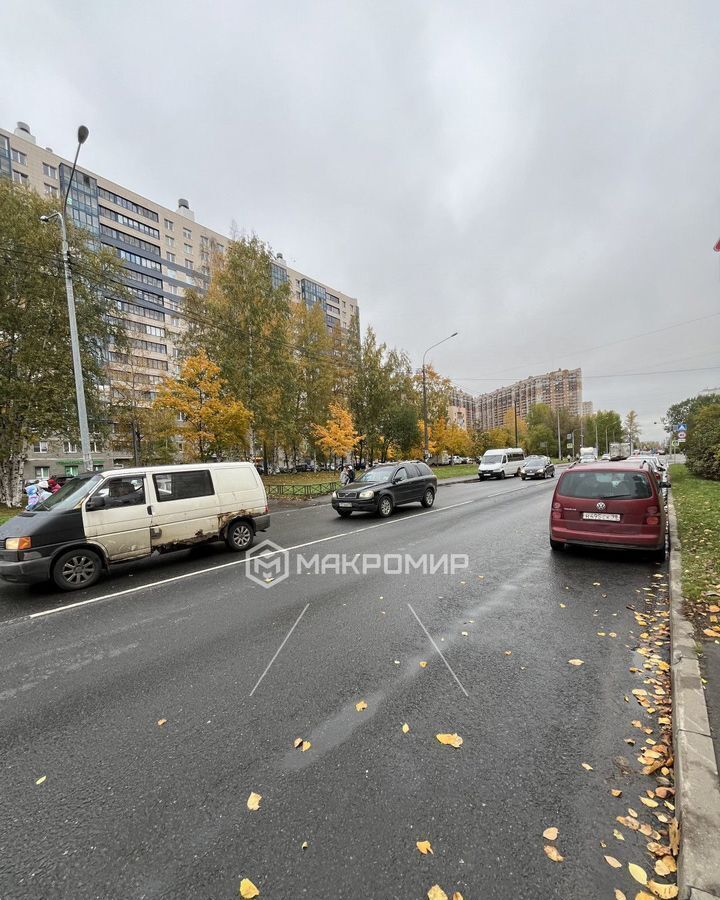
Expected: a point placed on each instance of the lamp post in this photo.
(72, 317)
(424, 384)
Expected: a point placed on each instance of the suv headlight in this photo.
(366, 495)
(18, 543)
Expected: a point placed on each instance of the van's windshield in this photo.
(492, 458)
(70, 494)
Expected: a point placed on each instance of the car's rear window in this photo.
(606, 485)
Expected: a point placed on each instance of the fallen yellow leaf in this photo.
(576, 662)
(562, 606)
(41, 780)
(464, 633)
(674, 835)
(616, 793)
(361, 706)
(662, 868)
(457, 896)
(405, 728)
(423, 665)
(306, 745)
(453, 740)
(297, 743)
(437, 893)
(253, 801)
(553, 853)
(162, 722)
(664, 891)
(638, 873)
(618, 834)
(304, 845)
(587, 767)
(248, 889)
(648, 802)
(643, 895)
(611, 861)
(550, 834)
(424, 847)
(619, 895)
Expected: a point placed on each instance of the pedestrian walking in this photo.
(344, 477)
(53, 486)
(351, 474)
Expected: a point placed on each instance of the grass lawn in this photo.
(455, 471)
(7, 513)
(302, 478)
(697, 503)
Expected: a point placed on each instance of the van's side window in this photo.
(128, 491)
(183, 485)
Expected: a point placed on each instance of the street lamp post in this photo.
(72, 316)
(424, 385)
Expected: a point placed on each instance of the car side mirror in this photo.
(95, 502)
(396, 480)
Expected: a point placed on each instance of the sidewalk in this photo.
(696, 769)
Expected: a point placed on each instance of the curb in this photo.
(696, 774)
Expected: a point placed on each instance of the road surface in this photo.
(133, 809)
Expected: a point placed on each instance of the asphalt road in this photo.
(131, 809)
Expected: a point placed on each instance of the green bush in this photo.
(703, 443)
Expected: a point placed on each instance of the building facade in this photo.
(587, 409)
(561, 389)
(163, 252)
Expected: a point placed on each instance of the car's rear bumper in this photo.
(262, 523)
(650, 541)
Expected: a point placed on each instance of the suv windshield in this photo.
(606, 486)
(375, 476)
(70, 494)
(491, 459)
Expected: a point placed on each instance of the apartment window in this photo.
(169, 241)
(19, 157)
(130, 223)
(205, 256)
(206, 271)
(42, 471)
(19, 177)
(71, 471)
(187, 234)
(95, 447)
(170, 257)
(169, 225)
(98, 467)
(129, 239)
(136, 258)
(40, 447)
(49, 171)
(205, 240)
(189, 265)
(128, 204)
(70, 447)
(188, 249)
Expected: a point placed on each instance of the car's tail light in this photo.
(651, 516)
(556, 512)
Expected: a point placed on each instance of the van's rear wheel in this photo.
(76, 569)
(240, 536)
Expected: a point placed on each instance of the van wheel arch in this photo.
(81, 545)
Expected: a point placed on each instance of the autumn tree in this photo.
(632, 427)
(37, 389)
(213, 423)
(338, 436)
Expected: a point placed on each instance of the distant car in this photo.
(537, 467)
(606, 457)
(613, 505)
(658, 467)
(385, 486)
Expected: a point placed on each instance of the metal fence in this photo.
(301, 490)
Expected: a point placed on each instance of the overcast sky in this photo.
(540, 176)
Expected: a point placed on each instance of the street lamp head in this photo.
(82, 134)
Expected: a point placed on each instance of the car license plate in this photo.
(602, 517)
(341, 503)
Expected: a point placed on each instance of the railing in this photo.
(301, 490)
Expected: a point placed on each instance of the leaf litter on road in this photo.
(450, 740)
(248, 890)
(424, 847)
(405, 728)
(553, 853)
(550, 834)
(253, 801)
(576, 662)
(362, 705)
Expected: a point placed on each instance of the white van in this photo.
(101, 518)
(501, 463)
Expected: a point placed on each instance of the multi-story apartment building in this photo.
(462, 409)
(561, 389)
(587, 409)
(163, 253)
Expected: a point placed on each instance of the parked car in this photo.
(385, 486)
(656, 465)
(501, 463)
(98, 519)
(613, 505)
(606, 457)
(537, 467)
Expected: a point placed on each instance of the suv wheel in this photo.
(240, 536)
(428, 498)
(76, 569)
(385, 507)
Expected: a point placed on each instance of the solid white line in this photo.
(278, 650)
(247, 559)
(450, 669)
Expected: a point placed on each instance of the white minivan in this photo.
(501, 463)
(100, 518)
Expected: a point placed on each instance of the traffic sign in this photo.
(682, 427)
(682, 436)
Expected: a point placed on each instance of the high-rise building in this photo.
(587, 409)
(561, 389)
(163, 253)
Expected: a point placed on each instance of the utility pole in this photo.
(72, 317)
(515, 403)
(424, 385)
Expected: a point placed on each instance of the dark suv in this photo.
(386, 486)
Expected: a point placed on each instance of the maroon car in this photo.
(611, 505)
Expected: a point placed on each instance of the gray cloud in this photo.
(539, 176)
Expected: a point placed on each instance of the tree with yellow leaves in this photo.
(338, 436)
(214, 424)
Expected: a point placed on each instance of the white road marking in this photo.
(245, 560)
(450, 668)
(267, 669)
